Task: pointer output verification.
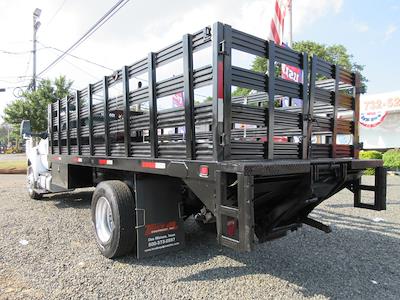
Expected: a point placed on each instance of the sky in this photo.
(368, 29)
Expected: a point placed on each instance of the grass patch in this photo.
(13, 166)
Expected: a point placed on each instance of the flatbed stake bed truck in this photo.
(251, 167)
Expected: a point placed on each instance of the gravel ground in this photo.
(360, 259)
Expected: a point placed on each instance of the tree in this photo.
(336, 54)
(4, 134)
(33, 104)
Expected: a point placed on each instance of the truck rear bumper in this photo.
(287, 167)
(262, 200)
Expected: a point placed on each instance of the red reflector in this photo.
(105, 162)
(148, 164)
(153, 165)
(231, 227)
(203, 171)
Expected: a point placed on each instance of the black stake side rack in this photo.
(91, 123)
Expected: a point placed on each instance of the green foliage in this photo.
(369, 171)
(241, 92)
(33, 104)
(391, 159)
(203, 100)
(3, 134)
(372, 154)
(336, 54)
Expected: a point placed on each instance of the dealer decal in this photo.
(162, 227)
(372, 119)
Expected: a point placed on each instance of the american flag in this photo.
(290, 73)
(278, 20)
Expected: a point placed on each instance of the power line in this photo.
(77, 57)
(93, 29)
(105, 20)
(82, 70)
(86, 72)
(56, 13)
(27, 65)
(15, 76)
(85, 60)
(15, 52)
(20, 52)
(14, 82)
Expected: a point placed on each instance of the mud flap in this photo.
(159, 222)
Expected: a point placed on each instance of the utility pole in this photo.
(36, 25)
(290, 41)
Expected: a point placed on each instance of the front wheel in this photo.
(31, 184)
(113, 217)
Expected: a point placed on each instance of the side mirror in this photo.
(26, 129)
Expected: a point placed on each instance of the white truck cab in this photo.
(38, 175)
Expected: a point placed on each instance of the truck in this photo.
(250, 167)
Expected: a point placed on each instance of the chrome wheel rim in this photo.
(104, 220)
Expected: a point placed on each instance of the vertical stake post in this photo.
(151, 65)
(188, 94)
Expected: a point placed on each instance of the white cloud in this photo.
(361, 27)
(307, 12)
(389, 32)
(138, 28)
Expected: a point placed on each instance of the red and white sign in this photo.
(374, 108)
(292, 73)
(380, 102)
(372, 119)
(177, 99)
(380, 120)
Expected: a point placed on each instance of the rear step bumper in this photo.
(262, 200)
(286, 167)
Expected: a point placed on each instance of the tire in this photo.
(113, 217)
(31, 185)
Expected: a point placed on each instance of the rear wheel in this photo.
(113, 216)
(31, 185)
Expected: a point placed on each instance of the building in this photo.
(380, 121)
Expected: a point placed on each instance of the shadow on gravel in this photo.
(351, 205)
(368, 197)
(359, 259)
(79, 200)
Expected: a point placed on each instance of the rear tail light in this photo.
(203, 171)
(231, 227)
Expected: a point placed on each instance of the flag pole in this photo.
(290, 24)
